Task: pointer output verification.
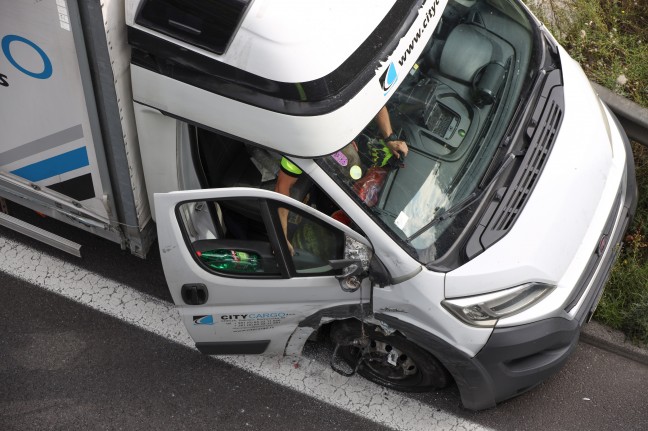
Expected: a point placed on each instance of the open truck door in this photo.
(234, 280)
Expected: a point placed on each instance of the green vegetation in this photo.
(610, 40)
(624, 304)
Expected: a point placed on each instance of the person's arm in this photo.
(383, 122)
(283, 186)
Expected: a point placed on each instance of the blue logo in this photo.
(203, 320)
(389, 78)
(6, 49)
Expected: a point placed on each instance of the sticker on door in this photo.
(252, 321)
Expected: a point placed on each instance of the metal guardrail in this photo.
(633, 117)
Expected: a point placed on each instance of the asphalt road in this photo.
(64, 365)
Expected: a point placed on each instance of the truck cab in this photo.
(475, 258)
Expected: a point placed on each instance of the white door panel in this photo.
(249, 312)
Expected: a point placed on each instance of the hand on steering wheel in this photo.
(398, 148)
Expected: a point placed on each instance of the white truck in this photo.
(474, 258)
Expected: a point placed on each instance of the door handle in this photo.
(194, 294)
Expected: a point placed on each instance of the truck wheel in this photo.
(394, 362)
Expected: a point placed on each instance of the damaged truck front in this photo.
(475, 258)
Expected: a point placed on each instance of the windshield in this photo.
(452, 111)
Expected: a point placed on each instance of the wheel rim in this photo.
(387, 361)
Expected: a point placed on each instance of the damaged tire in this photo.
(392, 360)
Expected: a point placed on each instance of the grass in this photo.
(610, 40)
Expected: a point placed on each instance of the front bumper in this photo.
(518, 358)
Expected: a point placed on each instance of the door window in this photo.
(244, 238)
(313, 244)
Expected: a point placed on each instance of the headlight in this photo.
(485, 310)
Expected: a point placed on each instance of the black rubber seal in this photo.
(234, 347)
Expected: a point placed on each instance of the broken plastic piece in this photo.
(341, 366)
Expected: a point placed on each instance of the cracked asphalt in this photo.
(66, 366)
(94, 343)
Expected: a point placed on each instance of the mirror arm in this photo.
(354, 265)
(378, 273)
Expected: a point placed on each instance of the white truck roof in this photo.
(301, 77)
(296, 40)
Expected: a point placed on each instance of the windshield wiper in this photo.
(468, 200)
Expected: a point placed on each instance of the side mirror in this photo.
(356, 263)
(351, 279)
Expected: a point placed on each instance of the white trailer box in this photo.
(69, 145)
